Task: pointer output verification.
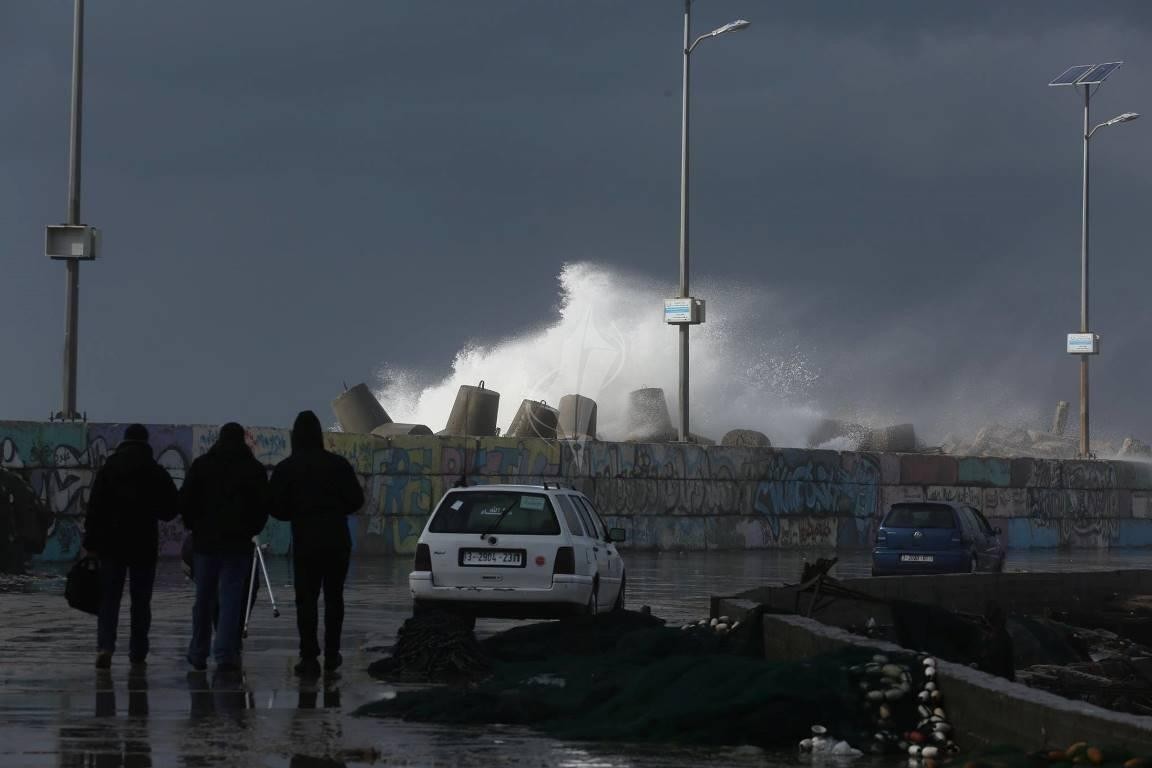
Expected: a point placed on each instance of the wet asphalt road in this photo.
(56, 710)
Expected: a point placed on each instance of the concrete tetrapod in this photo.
(358, 410)
(534, 419)
(474, 412)
(577, 417)
(396, 428)
(648, 418)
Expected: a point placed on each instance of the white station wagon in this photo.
(517, 551)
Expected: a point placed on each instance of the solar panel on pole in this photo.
(1099, 74)
(1072, 74)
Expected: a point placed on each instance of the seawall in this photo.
(668, 496)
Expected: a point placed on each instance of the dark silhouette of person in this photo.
(315, 490)
(24, 522)
(224, 503)
(130, 494)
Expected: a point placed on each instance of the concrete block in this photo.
(860, 468)
(358, 410)
(359, 450)
(577, 418)
(986, 472)
(1134, 475)
(1142, 505)
(609, 459)
(1094, 475)
(474, 412)
(1005, 502)
(1036, 473)
(962, 494)
(900, 438)
(745, 438)
(534, 419)
(729, 463)
(648, 418)
(889, 469)
(928, 470)
(516, 457)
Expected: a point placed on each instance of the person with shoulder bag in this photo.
(130, 494)
(224, 503)
(315, 490)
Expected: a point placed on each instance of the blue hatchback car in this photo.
(919, 537)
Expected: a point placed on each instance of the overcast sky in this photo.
(294, 193)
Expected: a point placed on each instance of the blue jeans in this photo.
(141, 578)
(220, 581)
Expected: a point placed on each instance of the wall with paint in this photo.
(668, 496)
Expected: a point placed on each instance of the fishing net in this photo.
(625, 676)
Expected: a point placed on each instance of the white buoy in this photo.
(914, 750)
(714, 622)
(725, 620)
(878, 659)
(819, 730)
(939, 713)
(806, 745)
(924, 696)
(930, 686)
(893, 694)
(942, 727)
(875, 695)
(929, 752)
(892, 670)
(722, 627)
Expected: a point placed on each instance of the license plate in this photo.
(917, 559)
(500, 558)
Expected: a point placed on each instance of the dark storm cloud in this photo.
(294, 192)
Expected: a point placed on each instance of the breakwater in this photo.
(668, 496)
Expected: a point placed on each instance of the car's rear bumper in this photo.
(565, 596)
(888, 562)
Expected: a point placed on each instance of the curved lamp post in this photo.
(690, 318)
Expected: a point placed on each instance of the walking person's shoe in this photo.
(196, 666)
(309, 667)
(104, 660)
(139, 663)
(333, 662)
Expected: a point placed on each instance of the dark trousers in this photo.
(221, 597)
(316, 572)
(141, 578)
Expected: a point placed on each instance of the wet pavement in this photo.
(57, 710)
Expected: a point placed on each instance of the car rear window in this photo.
(920, 516)
(520, 514)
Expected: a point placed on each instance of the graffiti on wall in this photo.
(821, 483)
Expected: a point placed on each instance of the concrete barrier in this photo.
(984, 710)
(669, 495)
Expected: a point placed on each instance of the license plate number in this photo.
(505, 558)
(917, 559)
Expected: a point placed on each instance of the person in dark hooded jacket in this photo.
(316, 490)
(224, 503)
(129, 495)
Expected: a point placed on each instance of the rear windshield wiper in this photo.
(500, 518)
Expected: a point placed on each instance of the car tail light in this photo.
(423, 560)
(565, 561)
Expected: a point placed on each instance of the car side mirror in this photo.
(617, 534)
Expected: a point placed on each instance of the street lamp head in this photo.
(1123, 118)
(732, 26)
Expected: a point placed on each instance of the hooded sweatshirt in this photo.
(315, 490)
(224, 501)
(129, 495)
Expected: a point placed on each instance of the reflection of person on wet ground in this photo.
(316, 490)
(129, 495)
(117, 744)
(227, 693)
(224, 503)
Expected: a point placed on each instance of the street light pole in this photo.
(1085, 342)
(72, 298)
(684, 430)
(1085, 449)
(684, 323)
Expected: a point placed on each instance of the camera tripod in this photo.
(258, 560)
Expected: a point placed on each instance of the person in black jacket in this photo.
(224, 503)
(129, 495)
(316, 490)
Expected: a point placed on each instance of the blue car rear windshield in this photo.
(920, 516)
(507, 512)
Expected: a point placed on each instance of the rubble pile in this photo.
(1117, 674)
